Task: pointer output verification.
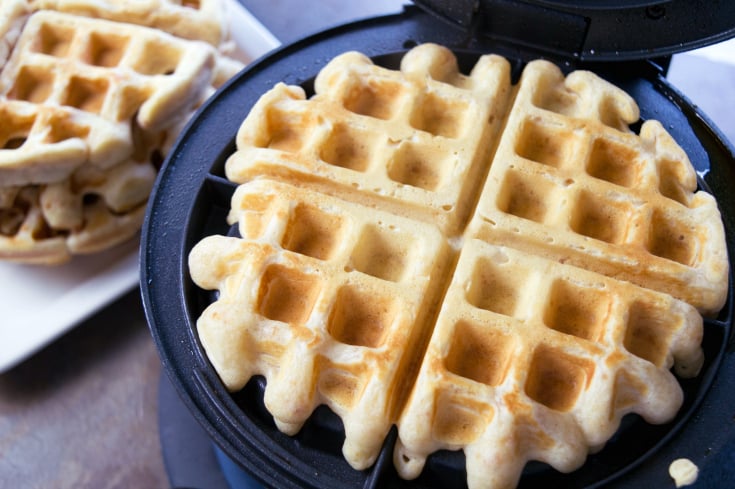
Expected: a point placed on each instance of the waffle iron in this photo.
(628, 44)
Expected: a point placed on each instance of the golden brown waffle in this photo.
(336, 301)
(88, 212)
(572, 183)
(203, 20)
(42, 143)
(497, 198)
(405, 140)
(114, 70)
(73, 85)
(89, 109)
(532, 359)
(13, 14)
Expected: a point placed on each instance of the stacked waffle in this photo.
(502, 269)
(89, 108)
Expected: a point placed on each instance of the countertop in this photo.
(83, 412)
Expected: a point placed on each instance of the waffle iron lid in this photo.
(593, 30)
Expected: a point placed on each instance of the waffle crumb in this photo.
(684, 472)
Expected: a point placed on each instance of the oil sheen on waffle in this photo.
(504, 269)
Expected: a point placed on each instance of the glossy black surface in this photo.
(594, 30)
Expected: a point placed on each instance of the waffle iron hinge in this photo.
(542, 29)
(545, 30)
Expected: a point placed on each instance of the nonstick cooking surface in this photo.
(191, 200)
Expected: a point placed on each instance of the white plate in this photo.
(38, 304)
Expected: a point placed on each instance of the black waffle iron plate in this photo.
(192, 197)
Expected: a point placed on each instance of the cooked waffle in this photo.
(43, 143)
(532, 359)
(90, 211)
(340, 290)
(114, 70)
(73, 85)
(13, 14)
(203, 20)
(534, 351)
(405, 140)
(571, 182)
(89, 108)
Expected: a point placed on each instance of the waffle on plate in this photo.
(89, 109)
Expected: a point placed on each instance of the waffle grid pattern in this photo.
(527, 353)
(355, 288)
(629, 200)
(89, 109)
(544, 357)
(403, 139)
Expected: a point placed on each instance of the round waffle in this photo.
(491, 267)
